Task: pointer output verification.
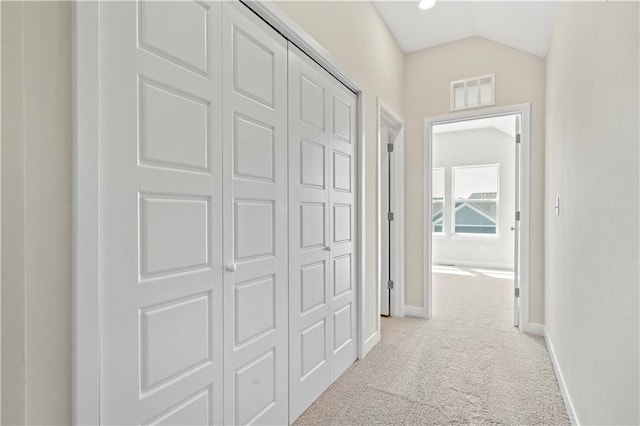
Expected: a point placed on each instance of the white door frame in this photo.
(386, 116)
(525, 192)
(86, 224)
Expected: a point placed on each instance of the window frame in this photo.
(443, 233)
(453, 199)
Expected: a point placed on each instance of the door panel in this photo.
(342, 199)
(516, 226)
(385, 248)
(160, 207)
(309, 235)
(255, 216)
(322, 235)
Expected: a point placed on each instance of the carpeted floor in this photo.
(467, 364)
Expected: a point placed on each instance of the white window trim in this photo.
(467, 235)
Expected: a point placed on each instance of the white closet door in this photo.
(322, 311)
(160, 213)
(255, 217)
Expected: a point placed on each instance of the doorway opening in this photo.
(390, 212)
(476, 217)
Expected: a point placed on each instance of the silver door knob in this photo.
(327, 248)
(513, 228)
(231, 267)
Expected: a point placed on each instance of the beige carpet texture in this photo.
(465, 365)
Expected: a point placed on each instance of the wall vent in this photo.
(473, 92)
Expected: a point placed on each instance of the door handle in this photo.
(327, 248)
(513, 228)
(231, 267)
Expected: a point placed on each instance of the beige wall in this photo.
(592, 253)
(36, 211)
(37, 204)
(354, 34)
(519, 79)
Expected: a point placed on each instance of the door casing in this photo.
(524, 110)
(387, 117)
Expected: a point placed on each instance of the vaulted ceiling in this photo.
(524, 25)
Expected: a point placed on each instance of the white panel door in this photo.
(385, 208)
(160, 213)
(322, 311)
(255, 217)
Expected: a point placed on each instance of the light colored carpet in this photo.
(466, 365)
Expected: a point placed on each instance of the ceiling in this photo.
(524, 25)
(505, 124)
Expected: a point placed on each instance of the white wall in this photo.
(356, 36)
(36, 213)
(519, 79)
(592, 253)
(468, 148)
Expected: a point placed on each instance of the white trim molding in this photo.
(564, 389)
(535, 328)
(414, 311)
(385, 115)
(524, 110)
(371, 341)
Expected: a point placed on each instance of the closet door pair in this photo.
(289, 213)
(193, 215)
(322, 240)
(222, 295)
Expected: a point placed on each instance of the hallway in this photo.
(468, 364)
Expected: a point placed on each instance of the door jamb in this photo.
(86, 241)
(525, 194)
(386, 115)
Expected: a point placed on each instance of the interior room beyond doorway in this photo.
(473, 226)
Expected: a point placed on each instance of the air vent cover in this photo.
(473, 92)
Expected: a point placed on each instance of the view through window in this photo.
(437, 217)
(475, 193)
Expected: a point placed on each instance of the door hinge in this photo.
(518, 138)
(389, 147)
(517, 215)
(517, 292)
(390, 285)
(390, 216)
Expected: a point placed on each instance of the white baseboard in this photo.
(414, 311)
(535, 328)
(467, 263)
(371, 341)
(573, 417)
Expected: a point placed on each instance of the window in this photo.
(475, 194)
(437, 202)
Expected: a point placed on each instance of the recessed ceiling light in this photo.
(426, 4)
